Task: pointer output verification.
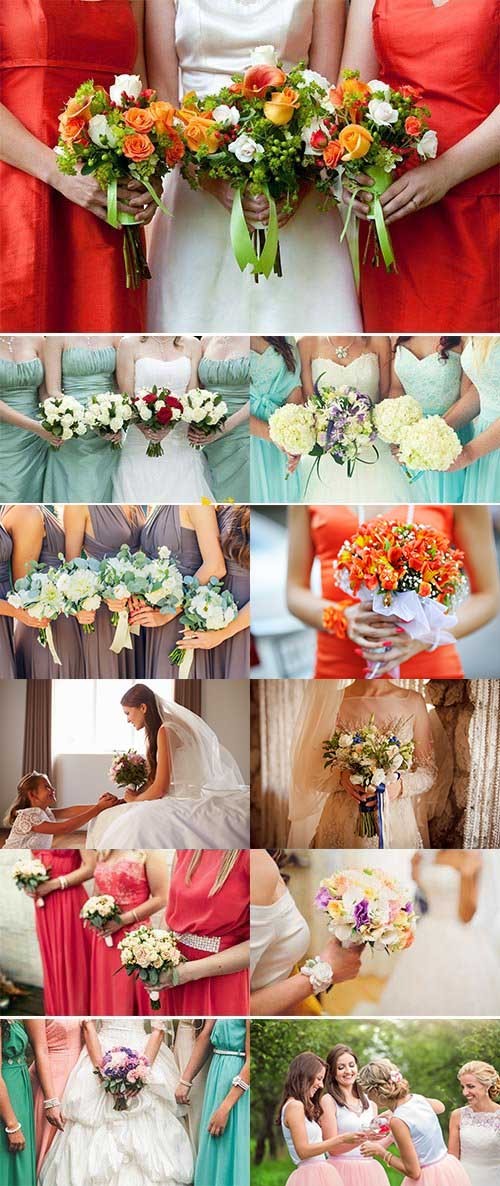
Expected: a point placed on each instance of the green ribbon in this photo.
(241, 241)
(118, 218)
(382, 181)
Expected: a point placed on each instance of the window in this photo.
(87, 717)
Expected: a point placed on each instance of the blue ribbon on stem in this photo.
(380, 792)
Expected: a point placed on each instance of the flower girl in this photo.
(33, 823)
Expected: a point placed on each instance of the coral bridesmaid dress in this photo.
(208, 925)
(118, 995)
(64, 945)
(63, 266)
(450, 51)
(336, 657)
(64, 1041)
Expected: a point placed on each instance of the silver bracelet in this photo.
(10, 1131)
(239, 1082)
(185, 1082)
(63, 883)
(319, 972)
(55, 1103)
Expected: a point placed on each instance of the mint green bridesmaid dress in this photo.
(229, 458)
(482, 479)
(225, 1160)
(82, 470)
(435, 383)
(270, 385)
(23, 454)
(17, 1169)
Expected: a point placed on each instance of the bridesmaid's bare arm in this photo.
(154, 1042)
(329, 23)
(225, 963)
(139, 11)
(162, 65)
(76, 522)
(125, 364)
(52, 360)
(381, 345)
(75, 877)
(199, 1055)
(157, 879)
(38, 1038)
(203, 521)
(27, 531)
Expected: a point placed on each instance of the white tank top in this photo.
(348, 1121)
(314, 1136)
(425, 1130)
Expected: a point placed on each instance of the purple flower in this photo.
(408, 908)
(361, 914)
(322, 898)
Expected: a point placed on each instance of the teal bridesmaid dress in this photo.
(270, 385)
(225, 1160)
(82, 470)
(482, 479)
(435, 383)
(23, 454)
(17, 1169)
(229, 458)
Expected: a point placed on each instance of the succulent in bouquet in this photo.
(157, 410)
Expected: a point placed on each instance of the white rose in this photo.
(382, 113)
(309, 76)
(345, 740)
(145, 413)
(100, 131)
(264, 55)
(245, 148)
(66, 434)
(376, 85)
(428, 145)
(227, 116)
(130, 84)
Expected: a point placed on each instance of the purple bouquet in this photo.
(123, 1073)
(344, 426)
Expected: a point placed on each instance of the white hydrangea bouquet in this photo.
(205, 607)
(78, 581)
(29, 874)
(147, 952)
(99, 910)
(39, 596)
(372, 758)
(107, 414)
(424, 442)
(367, 907)
(64, 417)
(204, 410)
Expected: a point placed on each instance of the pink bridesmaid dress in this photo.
(118, 995)
(65, 1041)
(64, 945)
(205, 925)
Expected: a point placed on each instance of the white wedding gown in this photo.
(214, 819)
(480, 1146)
(181, 473)
(197, 286)
(383, 482)
(146, 1145)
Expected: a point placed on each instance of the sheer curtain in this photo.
(482, 820)
(37, 744)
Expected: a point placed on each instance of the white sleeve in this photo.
(262, 935)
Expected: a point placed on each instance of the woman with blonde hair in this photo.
(475, 1128)
(423, 1156)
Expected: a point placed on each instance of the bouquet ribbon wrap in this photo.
(424, 619)
(241, 239)
(46, 638)
(186, 665)
(118, 218)
(123, 634)
(381, 182)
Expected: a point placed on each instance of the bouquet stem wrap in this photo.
(46, 638)
(185, 663)
(381, 182)
(123, 634)
(244, 245)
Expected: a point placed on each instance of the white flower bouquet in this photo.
(424, 442)
(372, 758)
(392, 416)
(99, 910)
(205, 607)
(107, 414)
(29, 874)
(147, 952)
(293, 429)
(120, 577)
(205, 410)
(64, 417)
(366, 907)
(39, 596)
(79, 583)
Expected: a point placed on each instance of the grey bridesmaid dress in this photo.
(7, 660)
(163, 528)
(111, 529)
(33, 660)
(231, 660)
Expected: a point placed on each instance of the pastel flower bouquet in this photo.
(374, 129)
(78, 582)
(157, 581)
(336, 421)
(205, 607)
(108, 414)
(409, 572)
(372, 758)
(424, 442)
(39, 595)
(29, 874)
(123, 1074)
(147, 952)
(367, 907)
(157, 410)
(99, 910)
(64, 417)
(117, 135)
(204, 410)
(129, 769)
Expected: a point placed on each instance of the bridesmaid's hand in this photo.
(372, 1149)
(218, 1120)
(16, 1141)
(109, 928)
(35, 623)
(116, 607)
(182, 1093)
(362, 203)
(144, 615)
(139, 199)
(368, 630)
(205, 640)
(401, 651)
(417, 188)
(466, 457)
(85, 617)
(47, 436)
(195, 437)
(85, 191)
(55, 1117)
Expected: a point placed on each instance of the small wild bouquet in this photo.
(156, 409)
(116, 135)
(205, 410)
(123, 1073)
(372, 758)
(368, 907)
(205, 607)
(129, 770)
(99, 910)
(78, 582)
(64, 417)
(337, 420)
(39, 596)
(30, 873)
(424, 442)
(107, 414)
(147, 952)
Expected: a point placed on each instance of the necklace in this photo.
(8, 340)
(341, 351)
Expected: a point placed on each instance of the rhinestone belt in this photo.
(200, 942)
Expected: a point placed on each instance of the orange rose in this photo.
(332, 154)
(355, 142)
(175, 150)
(137, 147)
(78, 108)
(413, 125)
(71, 128)
(258, 80)
(139, 118)
(280, 107)
(201, 131)
(163, 115)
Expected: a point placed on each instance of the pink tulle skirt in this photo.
(359, 1171)
(317, 1173)
(447, 1172)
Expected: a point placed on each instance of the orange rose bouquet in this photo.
(373, 129)
(126, 132)
(255, 134)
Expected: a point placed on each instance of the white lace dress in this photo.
(146, 1145)
(181, 474)
(23, 833)
(197, 286)
(480, 1146)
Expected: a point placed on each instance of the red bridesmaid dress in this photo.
(225, 916)
(64, 946)
(448, 253)
(62, 266)
(336, 658)
(112, 992)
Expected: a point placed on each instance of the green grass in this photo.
(276, 1173)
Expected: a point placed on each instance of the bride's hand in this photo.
(359, 795)
(130, 796)
(153, 434)
(55, 1117)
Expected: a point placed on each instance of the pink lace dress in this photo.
(118, 995)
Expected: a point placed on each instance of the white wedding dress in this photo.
(384, 482)
(181, 473)
(480, 1146)
(197, 286)
(146, 1145)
